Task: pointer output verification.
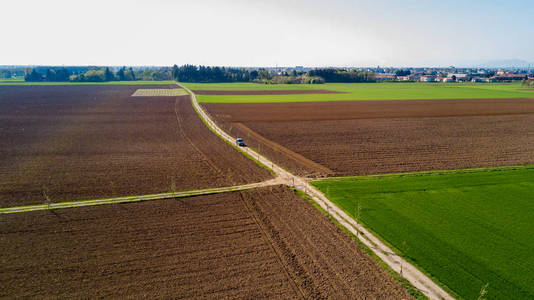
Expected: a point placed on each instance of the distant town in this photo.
(274, 75)
(449, 74)
(452, 75)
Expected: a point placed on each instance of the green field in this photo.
(365, 91)
(466, 228)
(139, 82)
(12, 80)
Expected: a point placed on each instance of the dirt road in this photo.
(411, 273)
(127, 199)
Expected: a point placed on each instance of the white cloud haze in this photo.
(264, 33)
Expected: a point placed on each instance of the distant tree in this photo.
(95, 75)
(108, 75)
(120, 74)
(51, 75)
(253, 75)
(453, 77)
(175, 71)
(6, 74)
(264, 74)
(33, 75)
(129, 75)
(402, 72)
(62, 74)
(146, 74)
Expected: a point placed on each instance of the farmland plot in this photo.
(370, 137)
(159, 92)
(255, 244)
(66, 143)
(467, 228)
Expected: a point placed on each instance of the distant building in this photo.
(458, 76)
(385, 77)
(509, 77)
(427, 78)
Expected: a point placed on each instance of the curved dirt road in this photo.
(398, 264)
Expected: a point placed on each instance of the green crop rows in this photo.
(465, 228)
(365, 91)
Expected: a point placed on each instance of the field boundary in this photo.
(289, 153)
(139, 198)
(417, 278)
(426, 173)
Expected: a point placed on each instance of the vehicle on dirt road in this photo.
(239, 142)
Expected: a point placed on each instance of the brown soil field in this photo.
(86, 142)
(264, 243)
(264, 92)
(372, 137)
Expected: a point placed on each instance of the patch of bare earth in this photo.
(84, 142)
(263, 243)
(370, 137)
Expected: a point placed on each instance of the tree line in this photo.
(76, 74)
(191, 73)
(342, 75)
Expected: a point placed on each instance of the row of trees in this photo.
(5, 74)
(191, 73)
(104, 74)
(341, 75)
(96, 74)
(61, 74)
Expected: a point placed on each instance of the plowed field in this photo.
(369, 137)
(84, 142)
(260, 243)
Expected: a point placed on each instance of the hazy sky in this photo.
(265, 33)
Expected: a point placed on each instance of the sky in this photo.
(265, 33)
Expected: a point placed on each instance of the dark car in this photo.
(240, 142)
